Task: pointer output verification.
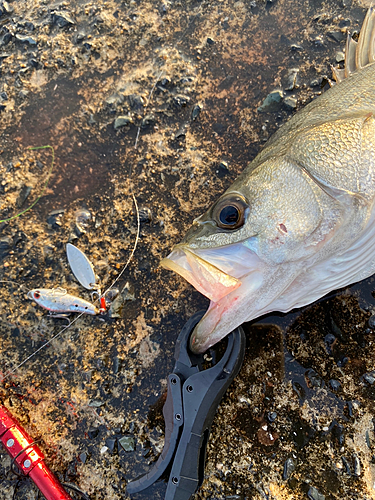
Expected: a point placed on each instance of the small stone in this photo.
(335, 385)
(181, 100)
(357, 466)
(313, 379)
(115, 99)
(136, 102)
(93, 432)
(340, 57)
(369, 377)
(62, 19)
(127, 443)
(122, 121)
(23, 195)
(5, 244)
(295, 47)
(25, 39)
(96, 404)
(83, 457)
(196, 111)
(145, 214)
(290, 102)
(292, 79)
(222, 169)
(289, 468)
(111, 443)
(371, 321)
(337, 36)
(148, 121)
(117, 305)
(54, 218)
(271, 102)
(314, 494)
(210, 41)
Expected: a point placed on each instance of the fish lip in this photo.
(211, 281)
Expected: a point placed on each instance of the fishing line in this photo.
(44, 187)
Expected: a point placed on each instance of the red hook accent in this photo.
(28, 457)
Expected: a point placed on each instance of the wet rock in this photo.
(122, 121)
(292, 79)
(181, 100)
(127, 443)
(82, 222)
(271, 102)
(25, 39)
(83, 457)
(313, 379)
(210, 41)
(369, 377)
(337, 36)
(6, 8)
(340, 57)
(93, 432)
(5, 245)
(295, 47)
(357, 466)
(314, 494)
(136, 102)
(23, 195)
(54, 218)
(148, 121)
(118, 304)
(62, 19)
(290, 102)
(111, 443)
(222, 169)
(196, 111)
(289, 468)
(115, 99)
(334, 385)
(145, 214)
(371, 321)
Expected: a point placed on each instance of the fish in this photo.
(299, 221)
(58, 301)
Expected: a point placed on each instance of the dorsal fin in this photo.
(359, 54)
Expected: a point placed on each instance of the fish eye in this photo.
(229, 212)
(37, 295)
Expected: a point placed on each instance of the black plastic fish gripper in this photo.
(194, 394)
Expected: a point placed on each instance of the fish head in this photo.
(251, 245)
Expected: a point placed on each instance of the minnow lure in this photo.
(59, 301)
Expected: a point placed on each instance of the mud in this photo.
(187, 78)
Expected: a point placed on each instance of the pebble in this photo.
(314, 494)
(93, 432)
(148, 121)
(23, 195)
(290, 102)
(289, 468)
(292, 79)
(357, 466)
(111, 443)
(371, 321)
(369, 377)
(127, 443)
(340, 57)
(145, 214)
(62, 19)
(5, 244)
(196, 111)
(122, 121)
(25, 39)
(54, 218)
(272, 101)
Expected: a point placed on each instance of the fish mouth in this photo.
(204, 276)
(219, 275)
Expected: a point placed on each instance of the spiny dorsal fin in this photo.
(359, 54)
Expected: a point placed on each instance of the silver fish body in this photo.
(58, 301)
(300, 220)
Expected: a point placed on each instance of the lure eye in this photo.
(230, 211)
(36, 295)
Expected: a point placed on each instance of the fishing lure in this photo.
(59, 302)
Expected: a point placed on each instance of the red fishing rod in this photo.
(28, 457)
